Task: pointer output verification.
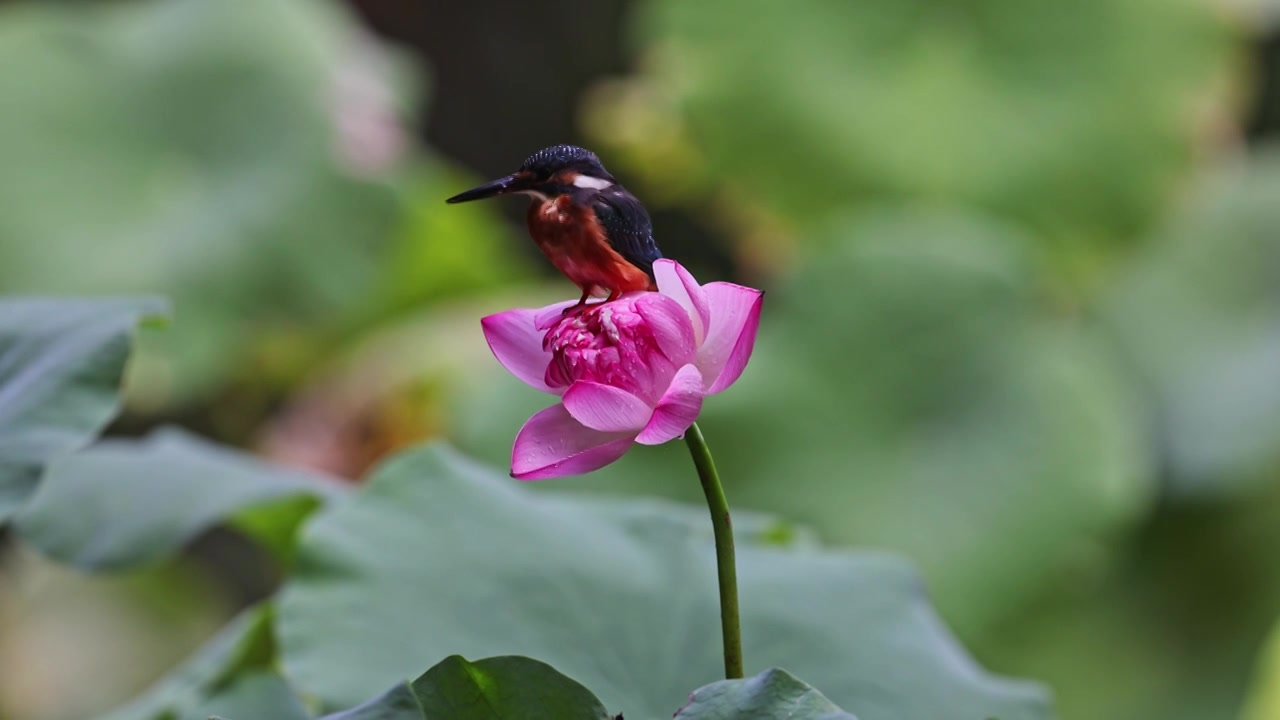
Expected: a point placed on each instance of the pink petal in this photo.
(517, 343)
(677, 409)
(671, 326)
(675, 282)
(544, 318)
(606, 408)
(553, 444)
(735, 317)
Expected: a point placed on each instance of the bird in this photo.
(591, 229)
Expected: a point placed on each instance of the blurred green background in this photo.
(1022, 256)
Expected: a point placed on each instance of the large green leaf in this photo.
(190, 148)
(771, 694)
(1199, 317)
(243, 646)
(497, 688)
(908, 391)
(1074, 116)
(520, 688)
(259, 695)
(61, 362)
(398, 703)
(129, 502)
(439, 555)
(503, 687)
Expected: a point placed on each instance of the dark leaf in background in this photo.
(61, 364)
(438, 555)
(1198, 315)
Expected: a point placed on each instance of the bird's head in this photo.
(548, 173)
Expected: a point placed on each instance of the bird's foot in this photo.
(582, 303)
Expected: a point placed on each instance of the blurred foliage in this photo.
(1198, 314)
(263, 694)
(1021, 327)
(1073, 118)
(212, 178)
(1179, 611)
(438, 255)
(208, 151)
(1265, 702)
(61, 363)
(192, 484)
(244, 647)
(113, 634)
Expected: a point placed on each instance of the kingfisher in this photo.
(589, 227)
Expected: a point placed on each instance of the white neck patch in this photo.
(595, 183)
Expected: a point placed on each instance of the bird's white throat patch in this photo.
(594, 183)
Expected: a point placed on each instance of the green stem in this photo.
(722, 526)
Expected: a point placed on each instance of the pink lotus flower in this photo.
(627, 371)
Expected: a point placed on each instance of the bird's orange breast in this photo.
(573, 240)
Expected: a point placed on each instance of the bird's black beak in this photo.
(501, 186)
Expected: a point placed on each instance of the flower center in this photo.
(609, 343)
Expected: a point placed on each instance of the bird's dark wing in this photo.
(627, 225)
